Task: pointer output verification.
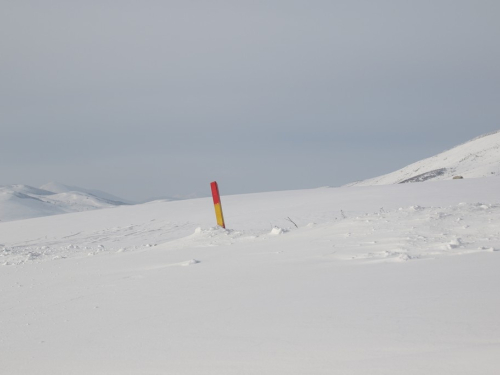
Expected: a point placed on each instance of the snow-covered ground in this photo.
(395, 279)
(18, 202)
(479, 157)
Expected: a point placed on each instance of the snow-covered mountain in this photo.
(19, 202)
(57, 187)
(479, 157)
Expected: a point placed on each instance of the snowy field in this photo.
(395, 279)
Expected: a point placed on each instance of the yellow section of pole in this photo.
(219, 215)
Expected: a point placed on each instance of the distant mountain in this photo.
(479, 157)
(177, 197)
(162, 198)
(57, 187)
(23, 202)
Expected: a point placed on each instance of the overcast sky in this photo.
(158, 98)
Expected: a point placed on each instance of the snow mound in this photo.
(277, 231)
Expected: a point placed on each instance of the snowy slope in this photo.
(16, 206)
(397, 279)
(479, 157)
(19, 202)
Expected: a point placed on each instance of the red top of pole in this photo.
(215, 192)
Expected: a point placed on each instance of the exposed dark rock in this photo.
(425, 176)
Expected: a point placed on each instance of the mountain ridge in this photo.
(478, 157)
(18, 202)
(57, 187)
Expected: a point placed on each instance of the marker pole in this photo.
(217, 204)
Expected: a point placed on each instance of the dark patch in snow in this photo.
(425, 176)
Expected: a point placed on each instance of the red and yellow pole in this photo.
(217, 204)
